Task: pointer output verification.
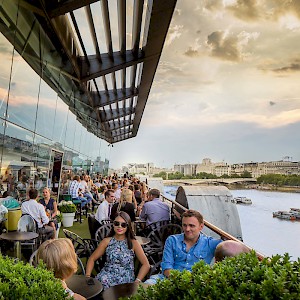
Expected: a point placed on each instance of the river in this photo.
(260, 230)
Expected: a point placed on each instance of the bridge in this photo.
(219, 181)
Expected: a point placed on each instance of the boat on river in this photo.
(295, 212)
(286, 215)
(241, 200)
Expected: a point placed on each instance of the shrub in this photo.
(23, 281)
(241, 277)
(66, 206)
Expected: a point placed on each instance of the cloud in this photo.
(192, 52)
(173, 34)
(246, 10)
(293, 67)
(213, 5)
(272, 103)
(223, 46)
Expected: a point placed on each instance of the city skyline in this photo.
(226, 87)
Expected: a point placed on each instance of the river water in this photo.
(260, 230)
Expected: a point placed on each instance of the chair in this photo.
(33, 261)
(27, 224)
(153, 226)
(93, 225)
(83, 247)
(103, 231)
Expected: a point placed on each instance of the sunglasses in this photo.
(122, 224)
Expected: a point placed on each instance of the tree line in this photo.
(276, 179)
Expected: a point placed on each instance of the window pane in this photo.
(46, 111)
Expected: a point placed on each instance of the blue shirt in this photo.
(176, 257)
(154, 211)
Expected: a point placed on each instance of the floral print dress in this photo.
(119, 265)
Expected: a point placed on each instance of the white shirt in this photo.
(102, 212)
(118, 194)
(36, 210)
(84, 186)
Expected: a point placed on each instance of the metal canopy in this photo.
(99, 56)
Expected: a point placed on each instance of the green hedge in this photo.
(241, 277)
(23, 281)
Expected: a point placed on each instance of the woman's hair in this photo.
(129, 232)
(59, 256)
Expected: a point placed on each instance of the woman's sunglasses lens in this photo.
(123, 225)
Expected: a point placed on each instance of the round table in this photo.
(17, 237)
(121, 290)
(78, 284)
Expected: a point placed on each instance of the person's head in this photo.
(76, 177)
(153, 193)
(109, 196)
(5, 194)
(229, 249)
(192, 224)
(59, 256)
(46, 193)
(122, 225)
(136, 187)
(33, 193)
(114, 186)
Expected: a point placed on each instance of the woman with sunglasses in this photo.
(120, 248)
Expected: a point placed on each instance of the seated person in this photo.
(120, 248)
(154, 210)
(123, 205)
(38, 213)
(182, 251)
(230, 249)
(59, 256)
(51, 207)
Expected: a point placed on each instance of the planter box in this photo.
(68, 219)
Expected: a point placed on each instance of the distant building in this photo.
(256, 169)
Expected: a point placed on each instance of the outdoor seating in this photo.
(154, 250)
(93, 225)
(27, 224)
(83, 247)
(103, 231)
(153, 226)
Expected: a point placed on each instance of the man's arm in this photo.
(143, 215)
(168, 260)
(44, 218)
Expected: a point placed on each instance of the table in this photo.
(121, 290)
(142, 240)
(17, 237)
(78, 284)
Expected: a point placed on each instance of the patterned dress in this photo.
(119, 265)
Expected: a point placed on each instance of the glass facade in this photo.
(38, 133)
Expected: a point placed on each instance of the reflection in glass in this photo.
(24, 87)
(6, 52)
(46, 111)
(60, 123)
(71, 125)
(42, 150)
(18, 160)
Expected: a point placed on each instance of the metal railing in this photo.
(223, 234)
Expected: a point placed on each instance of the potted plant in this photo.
(67, 209)
(23, 281)
(241, 277)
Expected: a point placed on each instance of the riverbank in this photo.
(265, 187)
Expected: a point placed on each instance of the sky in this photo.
(227, 87)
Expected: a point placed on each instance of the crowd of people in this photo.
(123, 200)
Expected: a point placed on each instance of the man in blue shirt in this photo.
(154, 210)
(183, 250)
